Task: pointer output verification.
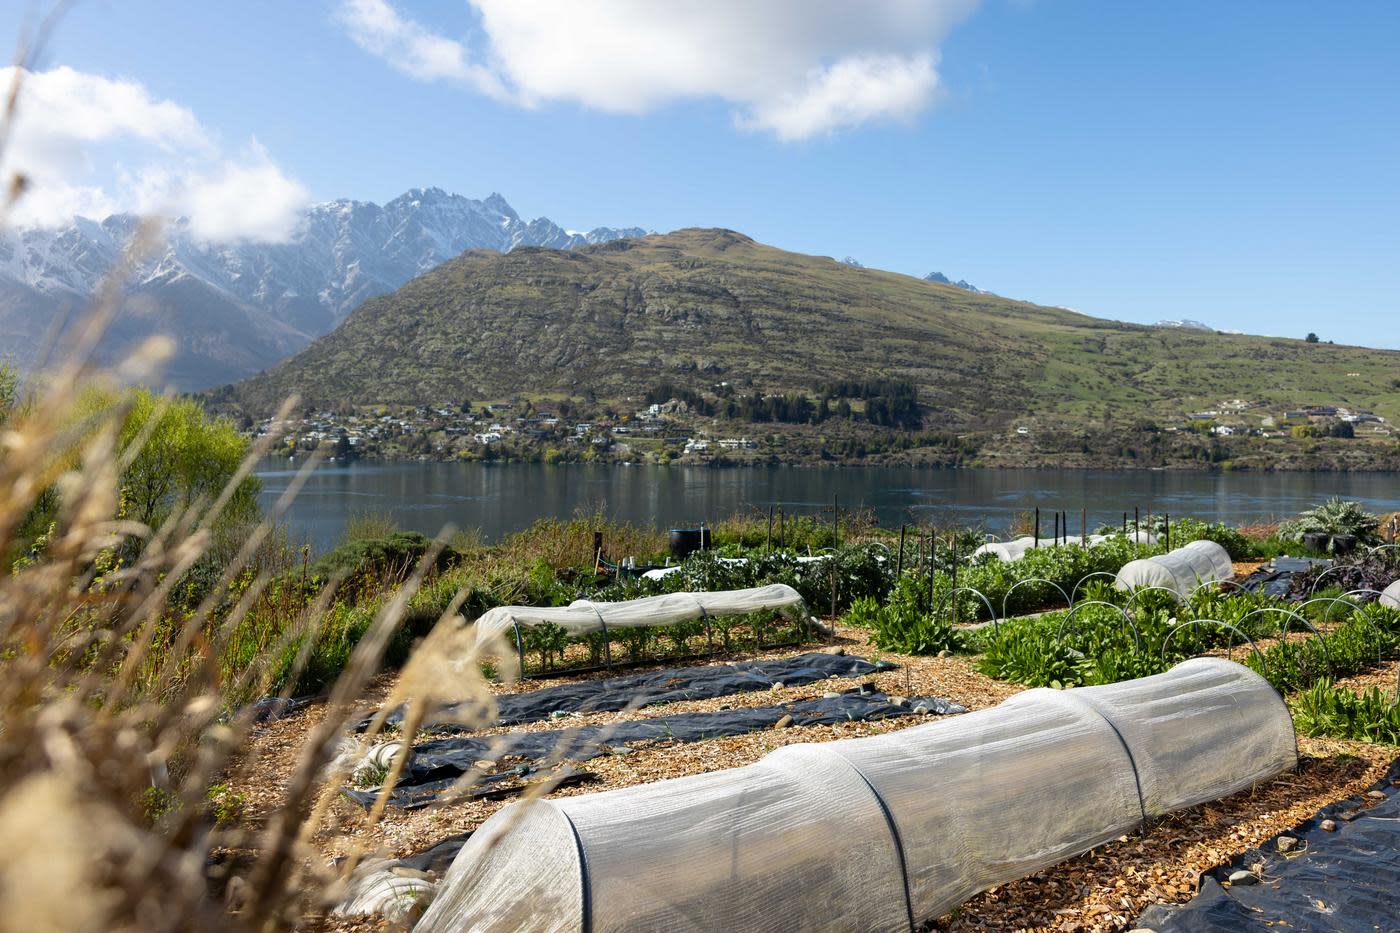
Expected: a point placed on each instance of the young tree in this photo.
(184, 455)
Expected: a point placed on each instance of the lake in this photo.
(501, 498)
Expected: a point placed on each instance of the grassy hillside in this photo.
(697, 307)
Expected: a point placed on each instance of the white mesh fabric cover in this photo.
(519, 871)
(1180, 571)
(1390, 596)
(583, 616)
(994, 795)
(1012, 551)
(802, 839)
(796, 841)
(1203, 730)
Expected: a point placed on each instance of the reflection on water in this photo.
(500, 498)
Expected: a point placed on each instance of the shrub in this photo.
(1335, 517)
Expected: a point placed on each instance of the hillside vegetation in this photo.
(698, 307)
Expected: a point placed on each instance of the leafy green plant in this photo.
(226, 806)
(1336, 516)
(905, 626)
(1370, 716)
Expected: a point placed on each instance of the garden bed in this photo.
(1100, 890)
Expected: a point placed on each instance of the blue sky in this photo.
(1236, 163)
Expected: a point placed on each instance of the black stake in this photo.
(899, 561)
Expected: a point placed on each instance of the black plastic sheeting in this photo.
(1276, 577)
(1348, 880)
(436, 765)
(670, 685)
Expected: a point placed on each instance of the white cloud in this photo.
(795, 68)
(72, 129)
(851, 92)
(379, 29)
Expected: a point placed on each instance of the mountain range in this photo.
(698, 308)
(234, 309)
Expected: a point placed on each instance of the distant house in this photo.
(1222, 430)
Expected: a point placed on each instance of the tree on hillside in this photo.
(1311, 338)
(184, 456)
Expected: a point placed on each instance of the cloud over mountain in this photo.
(793, 68)
(92, 145)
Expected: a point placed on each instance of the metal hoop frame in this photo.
(1074, 591)
(1263, 661)
(1069, 617)
(1069, 604)
(1290, 614)
(991, 612)
(1322, 576)
(1333, 600)
(1239, 587)
(1138, 590)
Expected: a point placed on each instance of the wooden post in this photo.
(597, 551)
(1057, 527)
(833, 595)
(780, 528)
(953, 594)
(932, 572)
(768, 538)
(899, 560)
(1037, 527)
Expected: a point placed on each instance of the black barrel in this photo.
(686, 541)
(1316, 541)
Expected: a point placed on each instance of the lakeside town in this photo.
(670, 431)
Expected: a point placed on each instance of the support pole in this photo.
(1167, 529)
(1037, 527)
(899, 560)
(768, 538)
(932, 572)
(835, 521)
(1083, 527)
(953, 546)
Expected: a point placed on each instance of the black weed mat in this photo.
(1276, 577)
(1346, 880)
(436, 765)
(670, 685)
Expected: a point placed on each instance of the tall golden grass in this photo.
(116, 715)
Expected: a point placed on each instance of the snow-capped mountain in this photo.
(268, 299)
(965, 285)
(1186, 324)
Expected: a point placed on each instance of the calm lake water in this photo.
(500, 498)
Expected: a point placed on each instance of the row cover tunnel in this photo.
(879, 833)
